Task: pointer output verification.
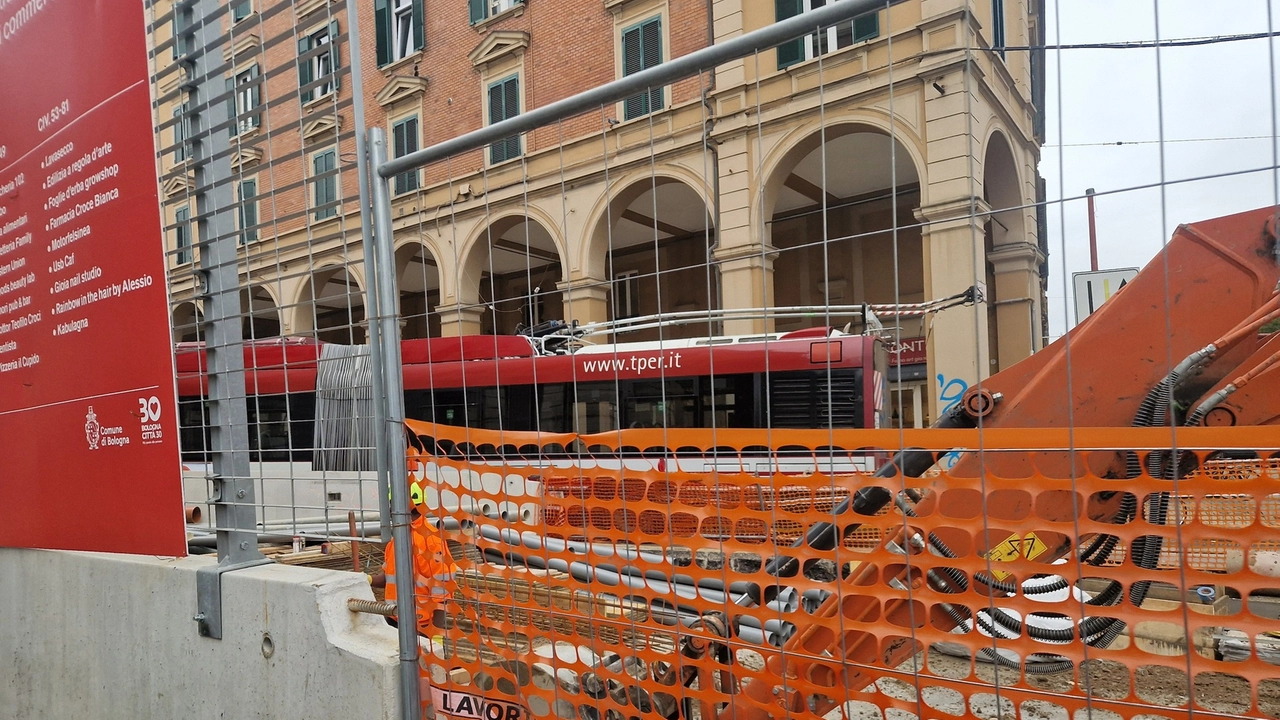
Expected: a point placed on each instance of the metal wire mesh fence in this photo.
(254, 105)
(743, 386)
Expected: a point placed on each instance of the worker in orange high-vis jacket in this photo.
(433, 567)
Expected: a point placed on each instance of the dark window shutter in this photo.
(382, 30)
(866, 27)
(419, 33)
(504, 103)
(334, 61)
(304, 68)
(231, 105)
(511, 99)
(255, 97)
(641, 50)
(651, 35)
(497, 151)
(477, 10)
(790, 52)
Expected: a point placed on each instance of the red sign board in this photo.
(909, 351)
(88, 431)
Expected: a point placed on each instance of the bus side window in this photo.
(195, 437)
(595, 408)
(552, 408)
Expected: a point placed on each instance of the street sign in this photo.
(88, 425)
(1093, 288)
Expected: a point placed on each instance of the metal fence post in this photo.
(377, 363)
(218, 284)
(383, 282)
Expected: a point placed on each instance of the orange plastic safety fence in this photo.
(767, 574)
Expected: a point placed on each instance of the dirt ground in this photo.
(1160, 686)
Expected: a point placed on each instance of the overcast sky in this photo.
(1211, 93)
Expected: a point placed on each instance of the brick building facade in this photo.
(792, 178)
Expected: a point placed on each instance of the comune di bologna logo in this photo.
(99, 436)
(92, 430)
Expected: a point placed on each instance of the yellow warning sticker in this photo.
(1030, 547)
(1033, 547)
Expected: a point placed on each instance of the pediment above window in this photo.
(399, 88)
(306, 7)
(177, 185)
(321, 126)
(245, 157)
(498, 45)
(244, 44)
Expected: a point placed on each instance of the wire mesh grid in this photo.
(271, 107)
(669, 365)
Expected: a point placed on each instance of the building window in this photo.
(482, 9)
(535, 308)
(177, 34)
(398, 29)
(317, 61)
(641, 50)
(504, 103)
(997, 26)
(324, 183)
(404, 135)
(180, 134)
(626, 294)
(241, 10)
(246, 96)
(248, 193)
(182, 234)
(860, 29)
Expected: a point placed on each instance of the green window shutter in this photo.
(651, 37)
(866, 27)
(182, 234)
(248, 211)
(641, 50)
(304, 68)
(419, 31)
(477, 10)
(504, 103)
(404, 141)
(255, 97)
(326, 190)
(792, 51)
(231, 105)
(382, 30)
(334, 61)
(179, 135)
(511, 98)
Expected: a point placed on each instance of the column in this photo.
(957, 338)
(458, 319)
(586, 300)
(1016, 297)
(746, 281)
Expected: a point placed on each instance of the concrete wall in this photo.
(85, 635)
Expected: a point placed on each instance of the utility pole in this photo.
(1093, 232)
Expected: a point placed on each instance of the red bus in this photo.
(813, 378)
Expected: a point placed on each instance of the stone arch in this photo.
(508, 275)
(1012, 260)
(833, 226)
(185, 322)
(1002, 188)
(330, 306)
(260, 313)
(621, 193)
(648, 244)
(418, 278)
(789, 150)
